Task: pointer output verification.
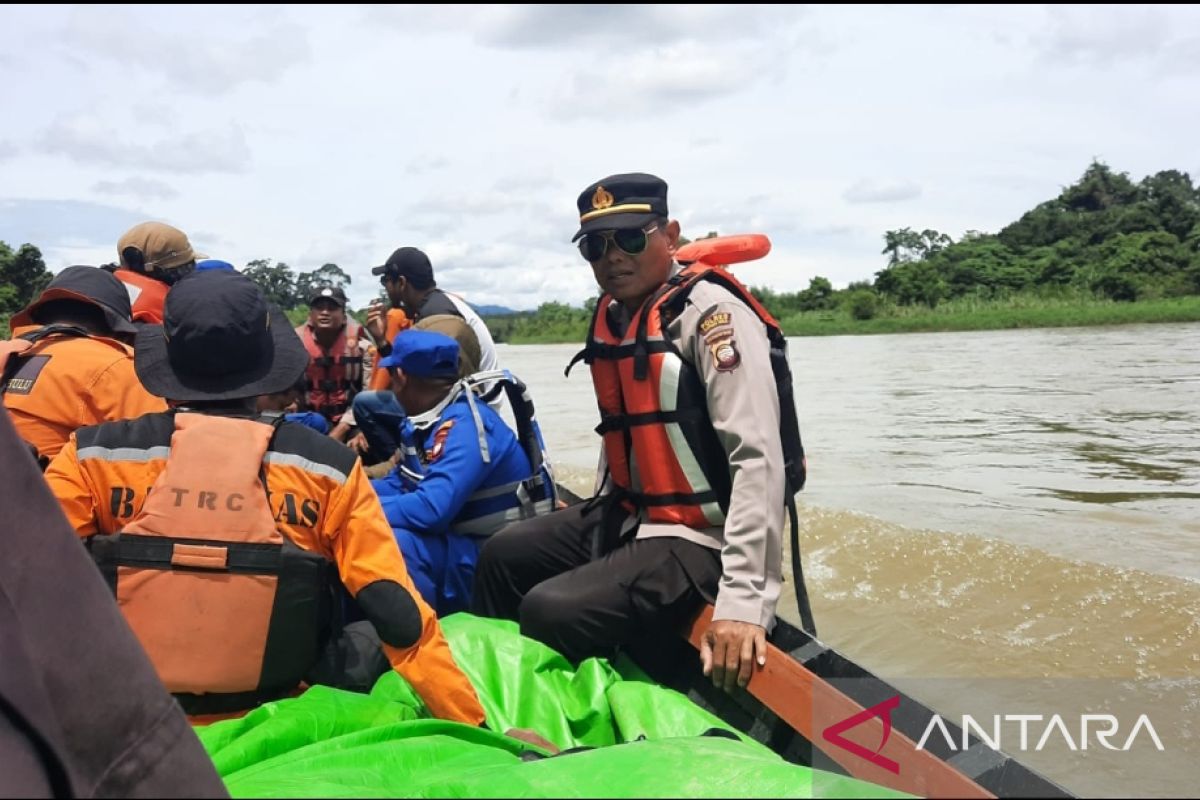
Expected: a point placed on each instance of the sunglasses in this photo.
(630, 241)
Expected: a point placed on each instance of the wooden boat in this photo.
(807, 691)
(816, 707)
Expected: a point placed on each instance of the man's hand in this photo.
(376, 322)
(532, 737)
(728, 650)
(358, 443)
(340, 432)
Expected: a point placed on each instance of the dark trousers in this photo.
(542, 572)
(353, 661)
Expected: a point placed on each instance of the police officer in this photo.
(221, 569)
(691, 508)
(464, 473)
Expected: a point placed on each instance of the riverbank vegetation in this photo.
(1106, 250)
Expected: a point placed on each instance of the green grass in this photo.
(956, 315)
(979, 315)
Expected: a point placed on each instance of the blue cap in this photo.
(423, 354)
(213, 263)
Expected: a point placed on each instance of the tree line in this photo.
(1103, 237)
(23, 275)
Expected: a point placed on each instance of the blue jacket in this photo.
(450, 478)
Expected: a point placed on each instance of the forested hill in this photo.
(1104, 234)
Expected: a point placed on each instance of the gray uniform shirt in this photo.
(725, 340)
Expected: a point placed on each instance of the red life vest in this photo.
(146, 295)
(335, 375)
(663, 454)
(230, 611)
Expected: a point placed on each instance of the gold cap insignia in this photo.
(602, 198)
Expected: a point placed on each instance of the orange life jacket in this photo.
(663, 454)
(147, 296)
(230, 611)
(334, 376)
(397, 321)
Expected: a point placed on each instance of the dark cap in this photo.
(407, 262)
(333, 293)
(220, 340)
(87, 285)
(423, 354)
(631, 200)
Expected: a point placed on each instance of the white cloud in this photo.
(146, 188)
(604, 27)
(876, 191)
(1080, 35)
(89, 140)
(321, 133)
(672, 77)
(60, 223)
(426, 164)
(176, 47)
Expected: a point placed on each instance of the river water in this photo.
(1000, 523)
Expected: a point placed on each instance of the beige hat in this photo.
(158, 246)
(456, 328)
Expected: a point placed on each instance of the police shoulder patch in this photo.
(726, 357)
(435, 450)
(715, 320)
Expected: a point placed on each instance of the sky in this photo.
(313, 134)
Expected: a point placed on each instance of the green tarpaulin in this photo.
(627, 737)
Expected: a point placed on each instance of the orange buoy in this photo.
(721, 251)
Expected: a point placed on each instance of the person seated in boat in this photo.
(288, 403)
(407, 278)
(225, 534)
(378, 415)
(153, 257)
(691, 498)
(463, 473)
(335, 344)
(69, 363)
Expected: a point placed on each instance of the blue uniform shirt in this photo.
(453, 466)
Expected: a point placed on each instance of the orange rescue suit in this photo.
(67, 379)
(205, 512)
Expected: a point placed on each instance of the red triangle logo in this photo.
(833, 734)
